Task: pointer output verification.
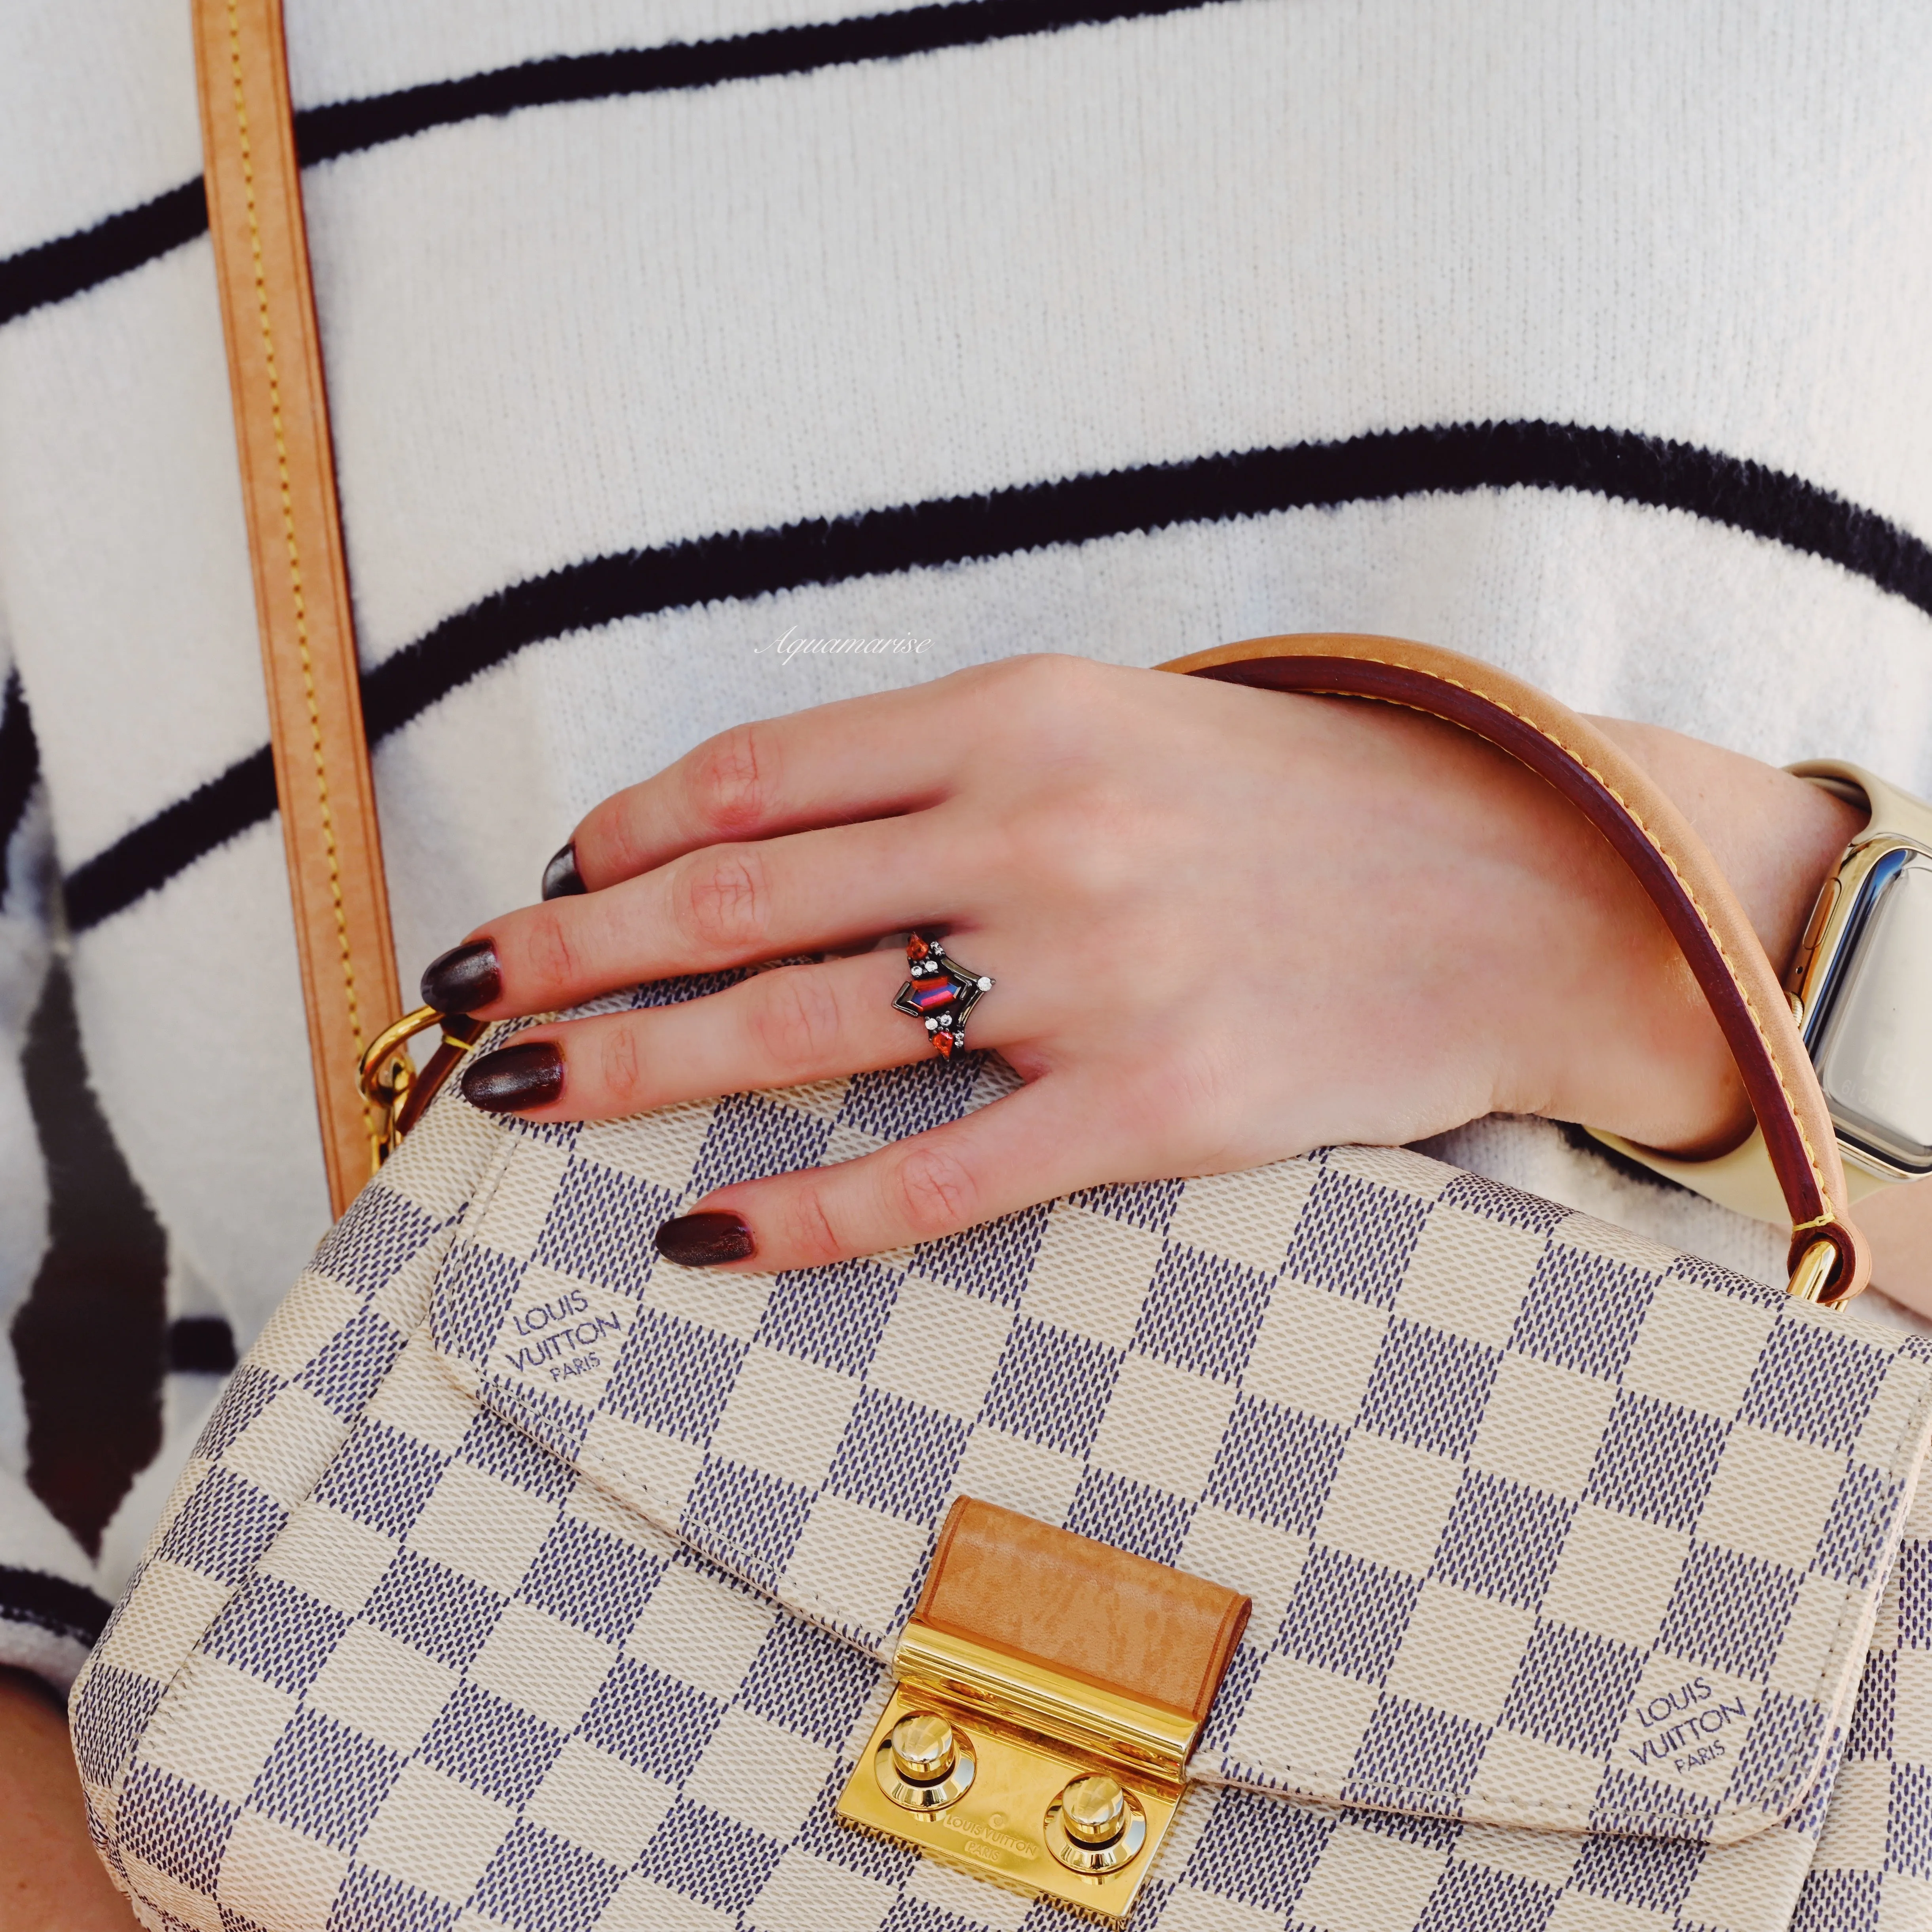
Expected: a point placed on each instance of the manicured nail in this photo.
(463, 979)
(513, 1078)
(561, 876)
(703, 1240)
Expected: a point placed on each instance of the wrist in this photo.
(1775, 837)
(1668, 1079)
(1780, 838)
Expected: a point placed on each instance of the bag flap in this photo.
(1545, 1526)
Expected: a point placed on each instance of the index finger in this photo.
(861, 758)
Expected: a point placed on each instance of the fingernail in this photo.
(514, 1077)
(463, 979)
(561, 877)
(703, 1240)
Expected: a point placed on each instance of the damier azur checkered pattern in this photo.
(439, 1630)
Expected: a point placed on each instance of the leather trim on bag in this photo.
(1122, 1621)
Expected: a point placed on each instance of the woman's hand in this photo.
(1226, 926)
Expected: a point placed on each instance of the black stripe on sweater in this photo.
(19, 772)
(170, 841)
(74, 263)
(51, 1603)
(323, 133)
(1465, 457)
(57, 269)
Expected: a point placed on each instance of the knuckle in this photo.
(719, 898)
(796, 1020)
(811, 1234)
(1048, 674)
(552, 949)
(1062, 713)
(1194, 1095)
(1071, 697)
(620, 1070)
(932, 1191)
(730, 779)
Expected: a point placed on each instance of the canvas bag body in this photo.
(523, 1579)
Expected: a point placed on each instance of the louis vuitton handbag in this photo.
(1352, 1545)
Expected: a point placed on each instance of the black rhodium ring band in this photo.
(940, 992)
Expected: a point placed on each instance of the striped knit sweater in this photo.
(1590, 340)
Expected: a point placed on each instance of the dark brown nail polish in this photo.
(703, 1240)
(463, 979)
(515, 1077)
(561, 878)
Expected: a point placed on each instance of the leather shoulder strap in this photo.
(302, 586)
(1649, 833)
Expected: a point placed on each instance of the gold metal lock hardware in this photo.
(924, 1764)
(396, 1090)
(1096, 1824)
(1071, 1788)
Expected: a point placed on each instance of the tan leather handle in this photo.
(1649, 833)
(322, 780)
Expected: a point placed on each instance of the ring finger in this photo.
(728, 905)
(778, 1028)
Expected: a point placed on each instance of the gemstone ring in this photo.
(940, 992)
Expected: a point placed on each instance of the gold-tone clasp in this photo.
(394, 1085)
(1000, 1766)
(1812, 1275)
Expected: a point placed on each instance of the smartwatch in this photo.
(1860, 984)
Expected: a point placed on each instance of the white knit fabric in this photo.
(610, 324)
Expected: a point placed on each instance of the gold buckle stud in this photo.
(1002, 1767)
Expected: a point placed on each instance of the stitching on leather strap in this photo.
(292, 543)
(1744, 993)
